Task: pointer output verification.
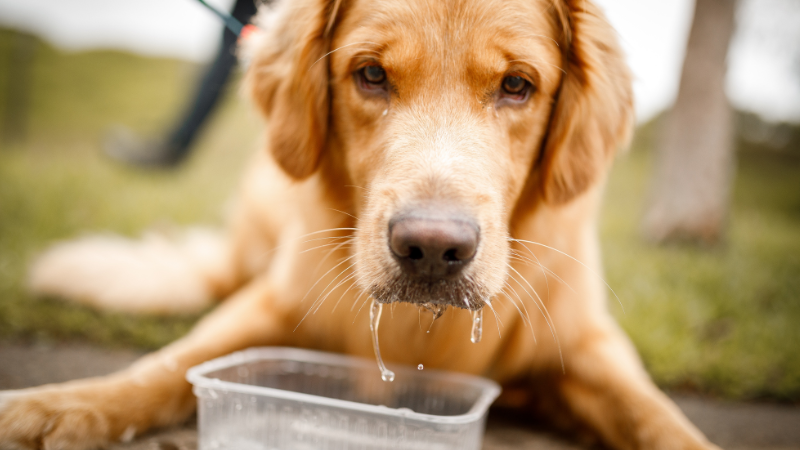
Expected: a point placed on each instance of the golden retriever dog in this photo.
(428, 155)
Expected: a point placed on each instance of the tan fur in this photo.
(308, 243)
(155, 275)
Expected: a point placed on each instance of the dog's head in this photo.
(449, 114)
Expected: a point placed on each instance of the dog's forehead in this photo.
(450, 18)
(448, 36)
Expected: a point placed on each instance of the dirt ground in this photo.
(731, 425)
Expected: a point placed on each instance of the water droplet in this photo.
(387, 375)
(419, 367)
(436, 309)
(374, 321)
(385, 112)
(477, 326)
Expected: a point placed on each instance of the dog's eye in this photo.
(374, 74)
(371, 79)
(515, 88)
(514, 85)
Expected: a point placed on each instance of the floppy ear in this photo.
(288, 80)
(593, 112)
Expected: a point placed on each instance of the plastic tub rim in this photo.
(197, 377)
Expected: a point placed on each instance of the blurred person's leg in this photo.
(127, 147)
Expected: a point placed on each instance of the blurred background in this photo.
(700, 228)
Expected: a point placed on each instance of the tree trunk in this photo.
(695, 157)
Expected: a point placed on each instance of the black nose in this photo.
(433, 245)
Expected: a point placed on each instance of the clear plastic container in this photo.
(289, 399)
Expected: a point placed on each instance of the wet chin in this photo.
(460, 293)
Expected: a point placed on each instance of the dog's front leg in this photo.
(89, 413)
(606, 387)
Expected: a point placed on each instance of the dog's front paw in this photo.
(50, 418)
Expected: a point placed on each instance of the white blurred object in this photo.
(653, 34)
(764, 60)
(172, 28)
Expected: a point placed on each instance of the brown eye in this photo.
(514, 85)
(374, 74)
(371, 80)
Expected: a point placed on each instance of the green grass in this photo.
(57, 184)
(724, 321)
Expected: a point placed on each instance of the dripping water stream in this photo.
(437, 310)
(374, 321)
(477, 326)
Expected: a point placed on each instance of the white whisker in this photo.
(296, 238)
(355, 302)
(546, 317)
(497, 320)
(345, 213)
(546, 282)
(316, 283)
(336, 50)
(522, 302)
(344, 293)
(522, 241)
(361, 307)
(330, 252)
(545, 314)
(545, 270)
(344, 280)
(526, 320)
(323, 246)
